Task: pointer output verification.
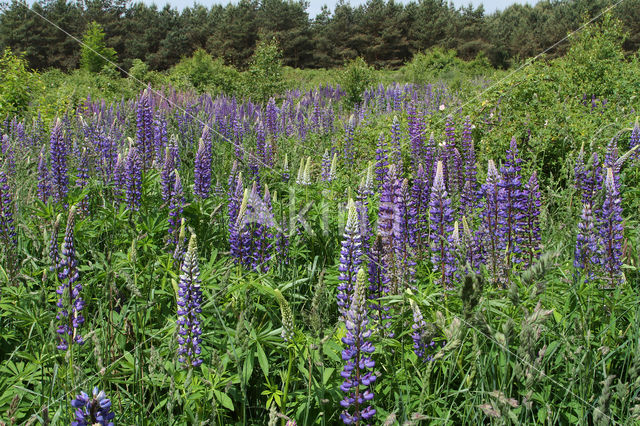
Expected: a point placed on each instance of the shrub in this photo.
(355, 79)
(17, 84)
(95, 53)
(205, 74)
(264, 78)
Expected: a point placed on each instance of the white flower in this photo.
(441, 108)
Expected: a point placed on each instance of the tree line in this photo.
(385, 33)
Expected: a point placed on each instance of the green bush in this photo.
(264, 78)
(356, 77)
(205, 74)
(95, 54)
(17, 84)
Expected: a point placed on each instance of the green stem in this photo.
(286, 385)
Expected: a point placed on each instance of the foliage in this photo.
(264, 78)
(534, 343)
(356, 77)
(95, 54)
(385, 33)
(205, 74)
(17, 84)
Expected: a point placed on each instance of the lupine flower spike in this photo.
(441, 216)
(357, 372)
(350, 259)
(92, 411)
(611, 230)
(288, 330)
(69, 302)
(189, 302)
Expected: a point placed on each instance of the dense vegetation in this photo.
(385, 34)
(362, 250)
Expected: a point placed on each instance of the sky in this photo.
(315, 5)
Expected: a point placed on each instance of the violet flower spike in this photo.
(531, 240)
(611, 230)
(441, 219)
(8, 233)
(69, 302)
(350, 259)
(189, 308)
(59, 173)
(92, 411)
(357, 372)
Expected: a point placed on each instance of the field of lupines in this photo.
(178, 259)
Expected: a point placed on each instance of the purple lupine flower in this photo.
(611, 161)
(92, 411)
(420, 195)
(470, 187)
(82, 179)
(160, 138)
(271, 115)
(421, 341)
(441, 218)
(350, 259)
(363, 217)
(44, 190)
(144, 132)
(488, 232)
(202, 171)
(531, 226)
(588, 178)
(69, 302)
(378, 286)
(416, 133)
(254, 221)
(232, 180)
(286, 175)
(54, 250)
(471, 248)
(119, 180)
(326, 166)
(7, 227)
(381, 160)
(189, 308)
(395, 145)
(59, 173)
(511, 208)
(587, 251)
(254, 169)
(234, 206)
(357, 371)
(8, 153)
(237, 139)
(176, 205)
(611, 230)
(430, 158)
(634, 140)
(133, 176)
(447, 156)
(282, 234)
(404, 241)
(349, 155)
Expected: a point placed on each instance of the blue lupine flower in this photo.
(357, 372)
(441, 217)
(350, 259)
(189, 308)
(611, 230)
(92, 411)
(531, 227)
(69, 302)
